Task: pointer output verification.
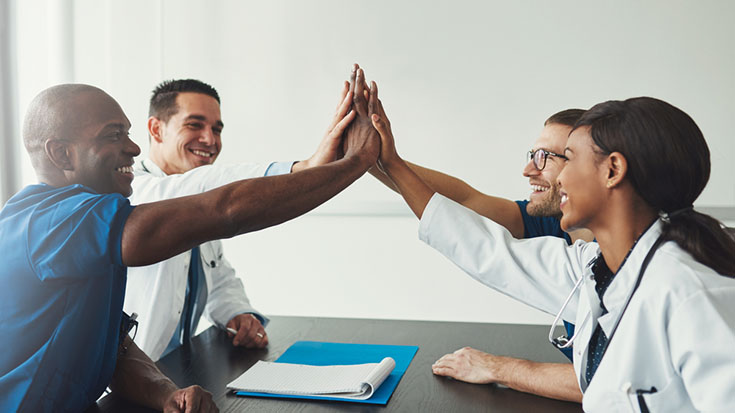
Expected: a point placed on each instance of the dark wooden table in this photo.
(211, 362)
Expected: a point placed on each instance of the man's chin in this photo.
(200, 162)
(545, 208)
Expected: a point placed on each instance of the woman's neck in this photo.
(620, 231)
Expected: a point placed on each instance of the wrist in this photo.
(167, 390)
(364, 159)
(503, 370)
(392, 165)
(301, 165)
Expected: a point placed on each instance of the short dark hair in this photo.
(163, 100)
(566, 117)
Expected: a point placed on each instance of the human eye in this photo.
(116, 135)
(217, 131)
(194, 125)
(566, 155)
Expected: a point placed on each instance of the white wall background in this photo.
(467, 85)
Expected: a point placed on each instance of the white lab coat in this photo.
(677, 335)
(157, 292)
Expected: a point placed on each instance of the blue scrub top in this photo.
(541, 226)
(63, 284)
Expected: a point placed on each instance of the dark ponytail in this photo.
(668, 166)
(704, 238)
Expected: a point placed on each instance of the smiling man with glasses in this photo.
(535, 217)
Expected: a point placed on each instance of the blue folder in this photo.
(318, 353)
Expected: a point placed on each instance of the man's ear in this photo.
(59, 152)
(617, 169)
(154, 129)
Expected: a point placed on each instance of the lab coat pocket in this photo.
(211, 256)
(670, 398)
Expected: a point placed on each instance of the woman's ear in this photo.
(617, 168)
(59, 152)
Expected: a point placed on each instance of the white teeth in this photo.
(563, 198)
(539, 188)
(201, 153)
(125, 169)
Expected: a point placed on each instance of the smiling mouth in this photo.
(125, 169)
(201, 153)
(539, 188)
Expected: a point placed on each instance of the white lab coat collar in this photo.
(614, 299)
(149, 166)
(621, 287)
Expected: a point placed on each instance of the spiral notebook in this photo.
(361, 373)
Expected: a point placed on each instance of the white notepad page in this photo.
(357, 381)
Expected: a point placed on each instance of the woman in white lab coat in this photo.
(653, 299)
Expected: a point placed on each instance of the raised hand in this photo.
(330, 146)
(361, 137)
(388, 153)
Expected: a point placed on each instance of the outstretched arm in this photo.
(503, 211)
(552, 380)
(160, 230)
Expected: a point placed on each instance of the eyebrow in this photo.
(545, 148)
(204, 119)
(113, 126)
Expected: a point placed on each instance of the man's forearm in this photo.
(160, 230)
(287, 196)
(500, 210)
(138, 379)
(552, 380)
(449, 186)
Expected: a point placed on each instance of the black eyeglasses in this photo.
(539, 158)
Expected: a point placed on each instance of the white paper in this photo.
(356, 381)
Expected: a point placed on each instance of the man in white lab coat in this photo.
(170, 297)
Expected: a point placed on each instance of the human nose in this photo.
(208, 137)
(560, 177)
(131, 147)
(530, 169)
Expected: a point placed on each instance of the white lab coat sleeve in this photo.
(227, 297)
(701, 334)
(150, 188)
(540, 272)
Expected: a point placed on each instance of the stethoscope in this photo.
(563, 341)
